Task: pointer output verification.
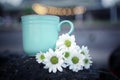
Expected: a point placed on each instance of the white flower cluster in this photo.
(66, 54)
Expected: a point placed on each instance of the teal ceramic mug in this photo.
(40, 32)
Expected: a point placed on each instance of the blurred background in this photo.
(97, 25)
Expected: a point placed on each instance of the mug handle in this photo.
(70, 23)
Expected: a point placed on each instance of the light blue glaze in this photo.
(40, 32)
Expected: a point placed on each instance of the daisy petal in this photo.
(50, 70)
(60, 69)
(54, 70)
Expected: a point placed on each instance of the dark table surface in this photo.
(22, 67)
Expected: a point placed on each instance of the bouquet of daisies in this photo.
(66, 54)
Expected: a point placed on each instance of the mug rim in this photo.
(36, 15)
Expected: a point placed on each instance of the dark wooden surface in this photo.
(22, 67)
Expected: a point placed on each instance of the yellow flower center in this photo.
(67, 43)
(67, 54)
(54, 60)
(86, 61)
(42, 57)
(75, 60)
(82, 53)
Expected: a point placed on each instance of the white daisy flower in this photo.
(65, 41)
(84, 50)
(66, 56)
(40, 57)
(87, 62)
(75, 62)
(67, 53)
(76, 47)
(54, 61)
